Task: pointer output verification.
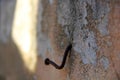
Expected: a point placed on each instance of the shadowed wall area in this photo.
(12, 61)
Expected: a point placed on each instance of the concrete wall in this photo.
(92, 26)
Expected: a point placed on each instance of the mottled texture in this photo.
(72, 16)
(43, 41)
(54, 44)
(103, 9)
(85, 23)
(92, 26)
(105, 62)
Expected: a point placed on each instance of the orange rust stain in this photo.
(114, 28)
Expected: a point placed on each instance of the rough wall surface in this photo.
(86, 22)
(92, 26)
(81, 16)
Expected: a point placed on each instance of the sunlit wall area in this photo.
(24, 31)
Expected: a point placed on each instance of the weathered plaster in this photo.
(102, 17)
(85, 23)
(72, 16)
(43, 41)
(105, 62)
(76, 19)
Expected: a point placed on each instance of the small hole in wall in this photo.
(89, 44)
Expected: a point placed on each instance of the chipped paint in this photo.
(105, 62)
(102, 17)
(72, 16)
(100, 13)
(44, 43)
(102, 26)
(87, 48)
